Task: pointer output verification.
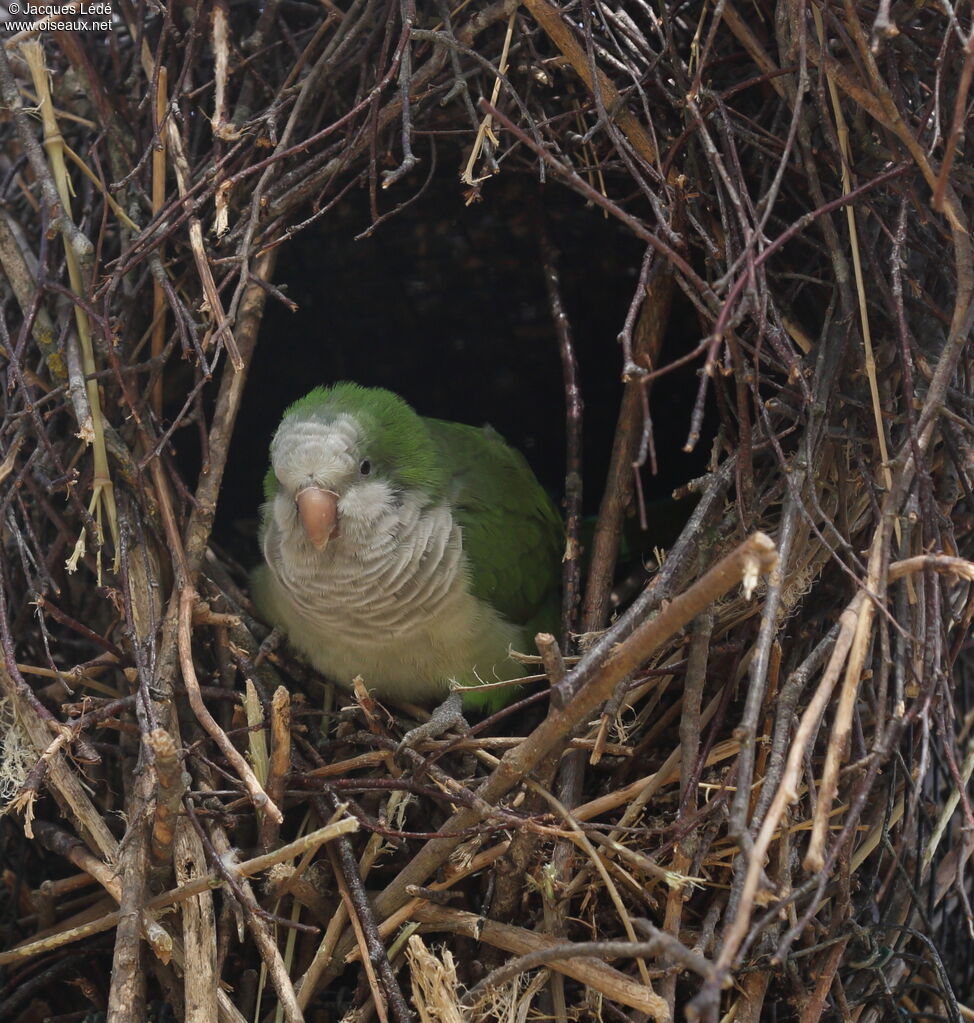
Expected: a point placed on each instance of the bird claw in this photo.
(449, 714)
(270, 644)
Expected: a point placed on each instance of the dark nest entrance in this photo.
(741, 791)
(446, 304)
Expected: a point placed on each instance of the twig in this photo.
(268, 949)
(583, 689)
(280, 760)
(588, 971)
(409, 159)
(126, 997)
(651, 302)
(375, 958)
(571, 562)
(187, 598)
(787, 793)
(171, 786)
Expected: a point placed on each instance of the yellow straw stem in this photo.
(103, 497)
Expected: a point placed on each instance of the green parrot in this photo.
(411, 551)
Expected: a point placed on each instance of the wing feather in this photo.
(512, 534)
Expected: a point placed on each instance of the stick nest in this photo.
(749, 798)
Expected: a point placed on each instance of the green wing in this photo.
(512, 534)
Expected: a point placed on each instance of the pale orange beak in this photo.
(318, 511)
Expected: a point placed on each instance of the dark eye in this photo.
(366, 467)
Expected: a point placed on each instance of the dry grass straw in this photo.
(91, 429)
(749, 797)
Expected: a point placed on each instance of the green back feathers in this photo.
(512, 534)
(513, 537)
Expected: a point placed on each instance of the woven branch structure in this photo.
(748, 796)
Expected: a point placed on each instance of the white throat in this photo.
(389, 571)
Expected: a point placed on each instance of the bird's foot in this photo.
(448, 715)
(270, 644)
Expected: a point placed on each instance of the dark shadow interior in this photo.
(446, 304)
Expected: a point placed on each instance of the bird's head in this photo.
(341, 461)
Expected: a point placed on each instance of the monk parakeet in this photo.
(410, 551)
